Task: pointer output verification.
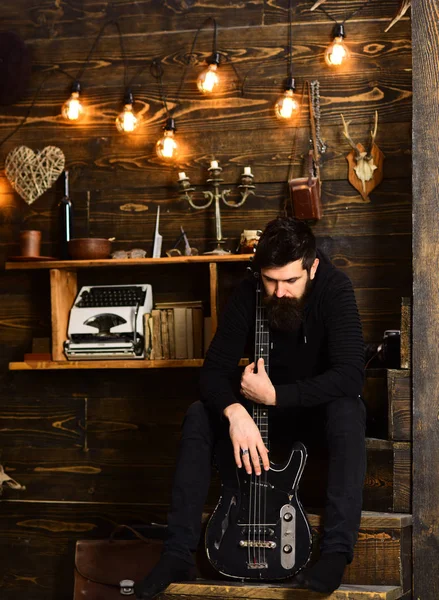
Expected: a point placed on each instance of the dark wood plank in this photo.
(425, 285)
(399, 385)
(406, 333)
(402, 476)
(32, 423)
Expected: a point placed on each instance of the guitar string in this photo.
(265, 426)
(257, 550)
(259, 427)
(252, 511)
(258, 409)
(255, 553)
(262, 423)
(258, 484)
(250, 504)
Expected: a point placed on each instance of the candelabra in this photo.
(245, 189)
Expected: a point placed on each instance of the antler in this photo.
(404, 6)
(351, 142)
(372, 137)
(317, 4)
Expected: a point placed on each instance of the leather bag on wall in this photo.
(305, 195)
(305, 192)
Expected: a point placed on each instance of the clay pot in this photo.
(89, 248)
(30, 243)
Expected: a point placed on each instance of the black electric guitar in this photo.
(259, 529)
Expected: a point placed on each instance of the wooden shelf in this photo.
(63, 291)
(127, 262)
(41, 365)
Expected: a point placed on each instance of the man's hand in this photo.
(246, 437)
(257, 386)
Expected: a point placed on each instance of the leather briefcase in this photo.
(101, 566)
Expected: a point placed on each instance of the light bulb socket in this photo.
(76, 87)
(290, 84)
(128, 97)
(214, 59)
(339, 30)
(170, 124)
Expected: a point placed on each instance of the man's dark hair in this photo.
(285, 240)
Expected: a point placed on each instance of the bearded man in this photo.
(316, 377)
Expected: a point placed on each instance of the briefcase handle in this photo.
(122, 526)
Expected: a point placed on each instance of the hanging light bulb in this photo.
(72, 109)
(337, 52)
(208, 81)
(126, 121)
(167, 147)
(287, 106)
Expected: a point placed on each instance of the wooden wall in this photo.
(95, 450)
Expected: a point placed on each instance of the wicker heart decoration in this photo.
(32, 173)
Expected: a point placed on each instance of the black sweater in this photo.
(322, 361)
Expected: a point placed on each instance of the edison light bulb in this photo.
(127, 120)
(287, 105)
(72, 110)
(167, 147)
(336, 53)
(208, 80)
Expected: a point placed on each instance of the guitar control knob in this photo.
(288, 516)
(287, 549)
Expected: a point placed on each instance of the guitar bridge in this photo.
(257, 565)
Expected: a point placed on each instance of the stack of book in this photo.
(175, 330)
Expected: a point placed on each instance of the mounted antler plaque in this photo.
(365, 165)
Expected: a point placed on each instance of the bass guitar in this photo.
(259, 530)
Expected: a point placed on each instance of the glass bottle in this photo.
(66, 220)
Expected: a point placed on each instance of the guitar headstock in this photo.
(252, 271)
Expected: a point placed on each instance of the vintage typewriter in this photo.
(106, 321)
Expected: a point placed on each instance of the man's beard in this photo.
(286, 314)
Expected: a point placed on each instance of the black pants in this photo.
(341, 423)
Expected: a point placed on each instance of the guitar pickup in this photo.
(257, 544)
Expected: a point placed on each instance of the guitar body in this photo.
(259, 530)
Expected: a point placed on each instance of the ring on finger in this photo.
(244, 451)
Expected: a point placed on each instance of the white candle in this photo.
(214, 164)
(247, 171)
(182, 175)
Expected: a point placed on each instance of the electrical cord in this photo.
(351, 16)
(92, 49)
(157, 72)
(290, 39)
(32, 104)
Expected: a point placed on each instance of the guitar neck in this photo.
(262, 350)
